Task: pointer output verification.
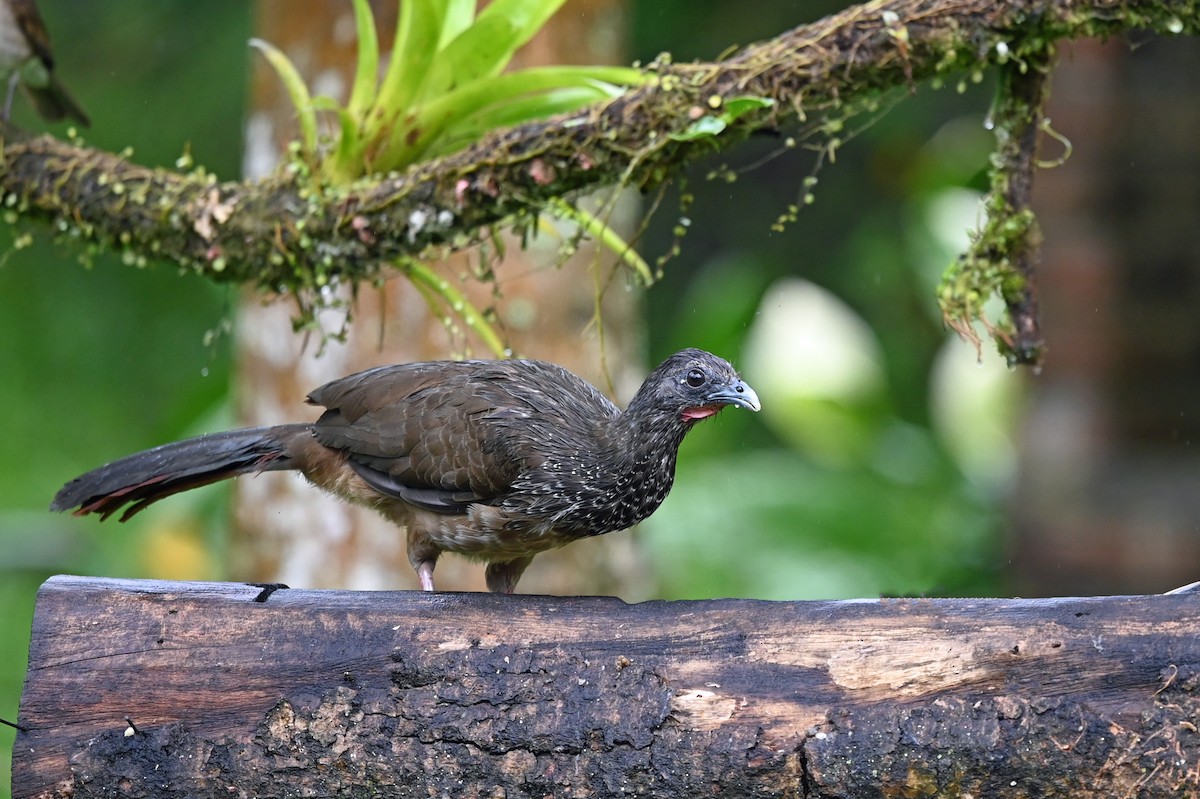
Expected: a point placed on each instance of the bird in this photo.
(495, 460)
(26, 59)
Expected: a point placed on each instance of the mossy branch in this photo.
(283, 235)
(1004, 251)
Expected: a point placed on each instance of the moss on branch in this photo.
(284, 235)
(1003, 253)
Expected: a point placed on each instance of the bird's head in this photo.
(693, 385)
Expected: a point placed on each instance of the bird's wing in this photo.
(431, 434)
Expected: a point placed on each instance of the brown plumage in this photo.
(496, 460)
(26, 60)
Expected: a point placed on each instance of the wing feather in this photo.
(414, 430)
(445, 434)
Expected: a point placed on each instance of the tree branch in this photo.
(287, 234)
(1003, 255)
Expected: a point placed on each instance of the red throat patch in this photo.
(702, 412)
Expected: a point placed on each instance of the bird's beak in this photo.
(736, 393)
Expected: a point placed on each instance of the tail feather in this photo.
(143, 478)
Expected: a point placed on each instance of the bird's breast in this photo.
(593, 495)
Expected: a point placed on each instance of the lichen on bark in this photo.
(287, 236)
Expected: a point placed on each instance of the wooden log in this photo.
(140, 688)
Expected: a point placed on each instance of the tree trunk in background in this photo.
(1107, 501)
(284, 529)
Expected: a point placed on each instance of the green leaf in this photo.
(575, 87)
(513, 112)
(459, 14)
(437, 291)
(607, 237)
(485, 48)
(345, 163)
(411, 140)
(729, 111)
(297, 91)
(527, 16)
(705, 127)
(367, 69)
(735, 107)
(418, 30)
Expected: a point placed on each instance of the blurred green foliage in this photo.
(102, 360)
(822, 496)
(97, 360)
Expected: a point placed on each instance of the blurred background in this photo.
(889, 458)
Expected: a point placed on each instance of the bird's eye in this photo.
(695, 378)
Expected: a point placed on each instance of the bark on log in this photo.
(140, 688)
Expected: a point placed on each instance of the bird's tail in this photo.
(145, 477)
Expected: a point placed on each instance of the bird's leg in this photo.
(13, 80)
(423, 555)
(425, 574)
(502, 577)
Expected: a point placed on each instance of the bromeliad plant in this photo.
(444, 87)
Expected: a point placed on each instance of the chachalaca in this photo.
(26, 60)
(495, 460)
